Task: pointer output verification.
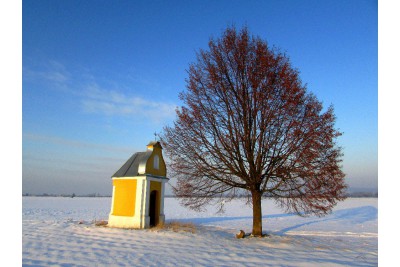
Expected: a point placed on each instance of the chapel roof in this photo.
(136, 164)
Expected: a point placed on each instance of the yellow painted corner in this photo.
(155, 186)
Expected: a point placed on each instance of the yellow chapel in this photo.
(138, 190)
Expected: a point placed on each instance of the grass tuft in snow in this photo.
(175, 226)
(100, 223)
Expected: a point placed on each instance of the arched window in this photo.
(156, 162)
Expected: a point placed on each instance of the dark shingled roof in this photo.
(131, 166)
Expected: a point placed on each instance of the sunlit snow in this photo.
(61, 232)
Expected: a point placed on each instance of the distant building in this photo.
(138, 190)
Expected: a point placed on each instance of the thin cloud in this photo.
(52, 71)
(113, 103)
(96, 99)
(72, 143)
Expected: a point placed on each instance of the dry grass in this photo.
(176, 227)
(100, 223)
(173, 225)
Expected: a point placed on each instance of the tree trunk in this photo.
(257, 214)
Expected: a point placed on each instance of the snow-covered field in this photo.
(61, 232)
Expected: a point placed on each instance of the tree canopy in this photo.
(248, 124)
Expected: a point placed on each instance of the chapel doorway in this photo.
(153, 208)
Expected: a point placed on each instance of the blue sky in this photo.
(100, 77)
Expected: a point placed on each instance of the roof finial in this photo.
(155, 136)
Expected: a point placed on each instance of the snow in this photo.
(61, 232)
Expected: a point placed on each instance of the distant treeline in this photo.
(349, 194)
(64, 195)
(363, 194)
(352, 194)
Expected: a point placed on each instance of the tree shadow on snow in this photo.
(207, 220)
(357, 215)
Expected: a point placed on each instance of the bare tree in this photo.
(248, 124)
